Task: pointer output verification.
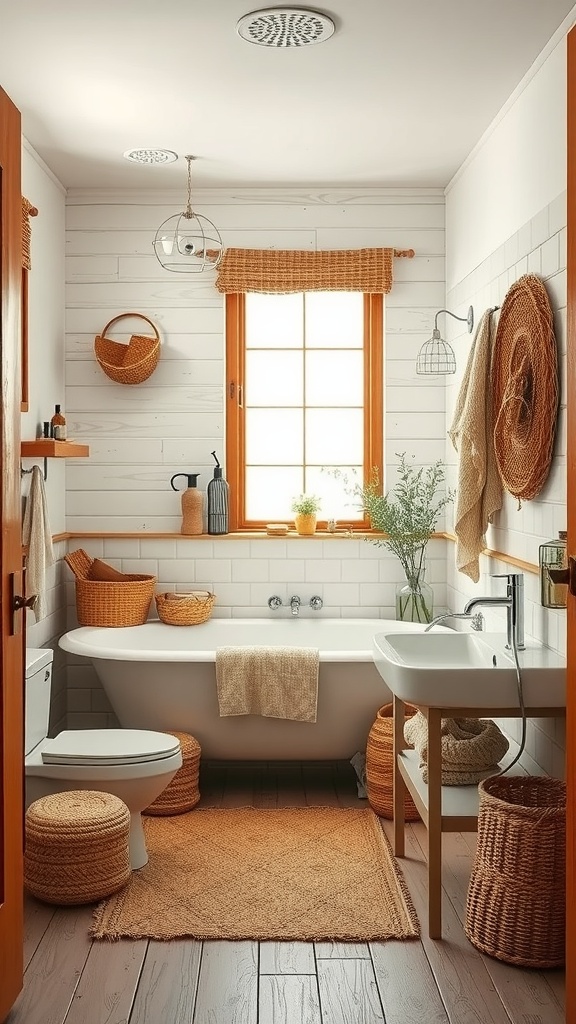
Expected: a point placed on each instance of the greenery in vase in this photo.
(407, 515)
(306, 505)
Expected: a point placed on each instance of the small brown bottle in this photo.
(192, 505)
(58, 425)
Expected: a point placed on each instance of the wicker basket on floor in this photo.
(77, 847)
(515, 908)
(380, 765)
(182, 793)
(124, 602)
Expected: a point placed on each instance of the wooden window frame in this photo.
(235, 418)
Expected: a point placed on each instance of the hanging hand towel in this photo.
(37, 535)
(277, 682)
(479, 491)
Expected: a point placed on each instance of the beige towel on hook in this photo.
(479, 489)
(277, 682)
(37, 535)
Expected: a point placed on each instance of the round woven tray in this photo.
(515, 909)
(185, 609)
(182, 793)
(131, 363)
(77, 846)
(525, 388)
(380, 766)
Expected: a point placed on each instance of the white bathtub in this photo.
(163, 677)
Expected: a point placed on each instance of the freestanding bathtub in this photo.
(163, 677)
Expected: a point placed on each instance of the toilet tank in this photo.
(38, 683)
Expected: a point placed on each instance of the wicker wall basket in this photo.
(108, 603)
(185, 609)
(515, 909)
(380, 765)
(131, 363)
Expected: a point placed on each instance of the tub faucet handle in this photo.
(274, 602)
(316, 603)
(295, 605)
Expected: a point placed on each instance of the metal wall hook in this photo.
(25, 472)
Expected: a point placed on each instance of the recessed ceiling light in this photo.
(150, 156)
(285, 26)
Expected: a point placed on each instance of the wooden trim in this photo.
(501, 556)
(235, 428)
(24, 399)
(571, 523)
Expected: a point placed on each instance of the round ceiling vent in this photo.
(285, 26)
(150, 156)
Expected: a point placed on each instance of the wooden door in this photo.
(11, 652)
(571, 673)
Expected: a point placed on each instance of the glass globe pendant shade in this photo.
(187, 242)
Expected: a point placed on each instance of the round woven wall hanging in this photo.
(525, 388)
(131, 363)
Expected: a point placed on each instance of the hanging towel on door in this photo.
(479, 490)
(37, 535)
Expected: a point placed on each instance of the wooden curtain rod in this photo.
(409, 253)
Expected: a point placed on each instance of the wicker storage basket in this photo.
(182, 792)
(515, 910)
(131, 363)
(185, 609)
(102, 603)
(380, 765)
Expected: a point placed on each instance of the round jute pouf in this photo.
(77, 846)
(380, 766)
(182, 793)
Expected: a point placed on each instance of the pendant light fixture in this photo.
(437, 355)
(187, 242)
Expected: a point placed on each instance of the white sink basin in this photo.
(468, 670)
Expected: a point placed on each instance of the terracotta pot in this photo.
(380, 766)
(305, 524)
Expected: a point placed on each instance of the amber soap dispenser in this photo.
(192, 505)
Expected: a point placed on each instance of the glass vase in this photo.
(415, 600)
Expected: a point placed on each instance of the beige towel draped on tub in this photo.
(277, 682)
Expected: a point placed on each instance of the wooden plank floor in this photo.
(73, 980)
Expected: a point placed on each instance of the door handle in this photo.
(23, 602)
(18, 602)
(565, 576)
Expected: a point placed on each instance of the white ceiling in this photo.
(398, 96)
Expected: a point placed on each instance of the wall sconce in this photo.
(437, 355)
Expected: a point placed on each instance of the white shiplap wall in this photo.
(139, 436)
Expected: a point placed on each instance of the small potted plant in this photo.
(305, 507)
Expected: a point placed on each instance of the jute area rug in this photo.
(293, 873)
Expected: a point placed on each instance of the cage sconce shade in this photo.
(187, 242)
(437, 355)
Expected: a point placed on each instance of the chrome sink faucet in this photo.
(514, 604)
(295, 605)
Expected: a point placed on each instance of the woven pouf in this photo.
(181, 793)
(77, 846)
(515, 907)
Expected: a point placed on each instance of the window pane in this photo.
(274, 436)
(334, 378)
(334, 319)
(336, 503)
(273, 378)
(274, 321)
(334, 437)
(270, 490)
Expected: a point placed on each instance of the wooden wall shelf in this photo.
(47, 448)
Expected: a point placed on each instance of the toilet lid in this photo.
(108, 746)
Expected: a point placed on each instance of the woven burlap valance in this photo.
(281, 271)
(27, 211)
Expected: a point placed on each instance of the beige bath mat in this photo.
(294, 873)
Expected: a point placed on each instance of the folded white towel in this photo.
(479, 491)
(37, 535)
(277, 682)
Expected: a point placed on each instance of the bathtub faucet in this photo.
(295, 605)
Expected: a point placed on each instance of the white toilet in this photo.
(133, 764)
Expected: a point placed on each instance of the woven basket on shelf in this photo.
(182, 792)
(131, 363)
(380, 766)
(185, 609)
(107, 603)
(515, 909)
